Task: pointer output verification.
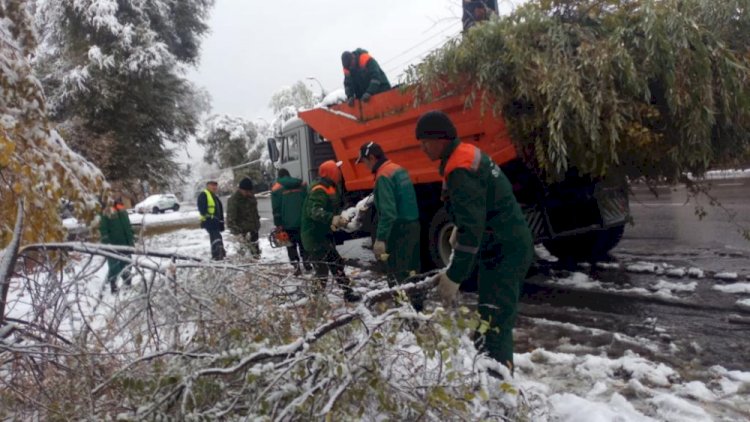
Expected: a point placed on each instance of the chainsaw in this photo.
(279, 238)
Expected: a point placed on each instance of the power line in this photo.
(423, 53)
(416, 45)
(235, 167)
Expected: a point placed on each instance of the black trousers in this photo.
(217, 244)
(296, 251)
(328, 260)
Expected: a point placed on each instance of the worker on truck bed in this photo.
(363, 76)
(320, 217)
(490, 232)
(397, 236)
(287, 196)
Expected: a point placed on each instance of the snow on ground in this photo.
(733, 288)
(723, 174)
(662, 288)
(170, 217)
(730, 276)
(571, 383)
(569, 387)
(646, 267)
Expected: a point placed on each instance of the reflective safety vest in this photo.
(211, 205)
(330, 191)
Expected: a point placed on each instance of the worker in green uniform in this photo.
(397, 235)
(243, 218)
(320, 217)
(363, 76)
(287, 196)
(115, 229)
(491, 231)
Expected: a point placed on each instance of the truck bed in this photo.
(389, 119)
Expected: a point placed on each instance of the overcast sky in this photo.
(257, 47)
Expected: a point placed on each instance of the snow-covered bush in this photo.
(192, 341)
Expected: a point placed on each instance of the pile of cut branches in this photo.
(649, 88)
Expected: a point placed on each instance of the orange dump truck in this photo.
(578, 218)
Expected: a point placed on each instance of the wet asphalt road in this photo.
(704, 327)
(667, 226)
(701, 328)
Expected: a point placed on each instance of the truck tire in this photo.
(438, 234)
(585, 247)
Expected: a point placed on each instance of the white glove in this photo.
(378, 248)
(338, 221)
(454, 237)
(447, 289)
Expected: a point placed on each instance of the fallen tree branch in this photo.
(285, 351)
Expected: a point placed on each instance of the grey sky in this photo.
(257, 47)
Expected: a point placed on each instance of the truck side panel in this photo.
(389, 119)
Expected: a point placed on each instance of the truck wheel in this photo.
(438, 236)
(585, 247)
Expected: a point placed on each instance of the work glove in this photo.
(378, 248)
(453, 240)
(366, 97)
(447, 289)
(350, 101)
(338, 221)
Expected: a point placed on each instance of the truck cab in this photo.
(301, 150)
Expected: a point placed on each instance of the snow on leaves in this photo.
(36, 165)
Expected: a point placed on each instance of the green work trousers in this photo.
(404, 256)
(501, 274)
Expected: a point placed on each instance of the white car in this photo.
(157, 204)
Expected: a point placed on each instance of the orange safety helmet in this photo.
(330, 170)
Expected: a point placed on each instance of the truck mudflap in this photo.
(614, 206)
(611, 204)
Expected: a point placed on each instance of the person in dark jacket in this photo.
(115, 229)
(363, 76)
(397, 235)
(477, 11)
(491, 230)
(243, 218)
(287, 197)
(320, 217)
(212, 218)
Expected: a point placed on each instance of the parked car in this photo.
(157, 204)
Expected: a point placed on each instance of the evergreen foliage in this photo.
(232, 141)
(649, 88)
(114, 73)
